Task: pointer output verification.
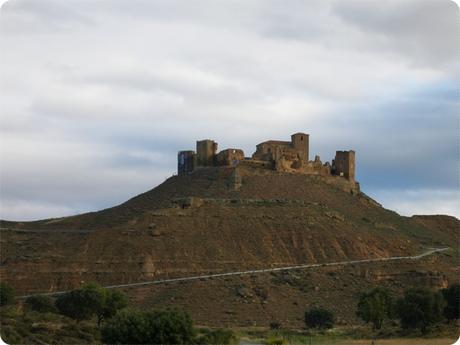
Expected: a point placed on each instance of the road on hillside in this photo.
(267, 270)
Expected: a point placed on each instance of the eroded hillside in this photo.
(205, 223)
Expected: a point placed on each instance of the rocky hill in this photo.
(222, 219)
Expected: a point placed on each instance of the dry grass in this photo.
(398, 341)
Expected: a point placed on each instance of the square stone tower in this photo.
(300, 142)
(345, 164)
(205, 152)
(185, 162)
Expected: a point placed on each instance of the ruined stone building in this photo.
(283, 156)
(273, 150)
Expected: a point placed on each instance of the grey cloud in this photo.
(406, 142)
(41, 16)
(74, 177)
(112, 90)
(420, 201)
(426, 31)
(29, 210)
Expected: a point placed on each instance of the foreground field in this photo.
(400, 341)
(19, 326)
(445, 334)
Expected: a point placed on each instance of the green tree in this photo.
(114, 301)
(152, 327)
(375, 306)
(40, 303)
(319, 318)
(92, 299)
(81, 304)
(6, 294)
(452, 298)
(126, 327)
(420, 308)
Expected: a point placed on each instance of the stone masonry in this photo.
(283, 156)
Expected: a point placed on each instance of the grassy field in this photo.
(442, 335)
(401, 341)
(20, 327)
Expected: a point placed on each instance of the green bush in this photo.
(79, 304)
(41, 304)
(152, 327)
(6, 294)
(114, 301)
(452, 298)
(375, 306)
(32, 327)
(275, 325)
(92, 299)
(319, 318)
(420, 308)
(10, 312)
(220, 336)
(10, 336)
(127, 327)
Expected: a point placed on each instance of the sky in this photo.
(97, 97)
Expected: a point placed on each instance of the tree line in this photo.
(119, 324)
(418, 308)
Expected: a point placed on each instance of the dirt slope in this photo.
(272, 220)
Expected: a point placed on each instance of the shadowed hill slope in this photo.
(204, 223)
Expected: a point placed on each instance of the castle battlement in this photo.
(284, 156)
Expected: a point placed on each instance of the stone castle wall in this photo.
(283, 156)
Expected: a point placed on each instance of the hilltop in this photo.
(227, 218)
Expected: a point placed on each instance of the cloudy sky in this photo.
(97, 97)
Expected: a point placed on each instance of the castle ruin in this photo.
(283, 156)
